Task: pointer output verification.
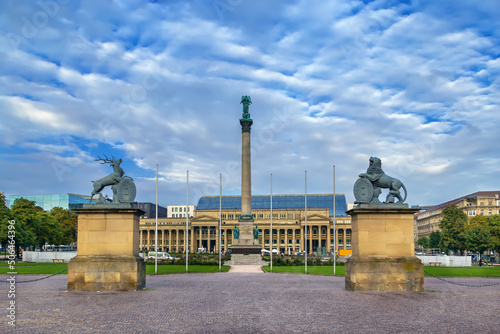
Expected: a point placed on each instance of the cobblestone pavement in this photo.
(252, 303)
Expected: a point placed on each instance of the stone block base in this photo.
(384, 274)
(106, 273)
(248, 259)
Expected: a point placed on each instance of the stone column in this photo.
(302, 241)
(328, 239)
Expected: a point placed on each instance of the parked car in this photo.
(160, 255)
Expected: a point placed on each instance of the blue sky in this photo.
(415, 83)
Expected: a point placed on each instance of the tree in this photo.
(4, 219)
(423, 241)
(478, 220)
(493, 223)
(452, 227)
(34, 227)
(67, 221)
(478, 239)
(434, 239)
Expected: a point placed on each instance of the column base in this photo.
(384, 274)
(246, 249)
(106, 273)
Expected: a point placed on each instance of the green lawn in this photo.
(464, 271)
(436, 271)
(35, 268)
(314, 270)
(52, 268)
(181, 268)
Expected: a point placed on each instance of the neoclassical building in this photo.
(484, 203)
(289, 224)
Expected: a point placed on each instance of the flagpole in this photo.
(156, 224)
(271, 230)
(220, 223)
(186, 246)
(334, 227)
(305, 206)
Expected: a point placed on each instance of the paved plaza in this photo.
(253, 302)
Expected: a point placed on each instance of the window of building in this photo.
(482, 212)
(472, 212)
(489, 213)
(282, 216)
(481, 203)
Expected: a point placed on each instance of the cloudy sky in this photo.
(413, 82)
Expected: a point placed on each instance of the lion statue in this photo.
(380, 181)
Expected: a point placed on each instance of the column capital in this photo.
(246, 124)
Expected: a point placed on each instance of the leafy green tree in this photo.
(4, 219)
(434, 239)
(493, 223)
(478, 220)
(33, 226)
(67, 220)
(452, 226)
(423, 241)
(478, 239)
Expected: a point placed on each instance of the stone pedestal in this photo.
(245, 252)
(108, 250)
(383, 257)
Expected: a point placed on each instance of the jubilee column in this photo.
(245, 249)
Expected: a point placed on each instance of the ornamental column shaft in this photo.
(246, 178)
(245, 248)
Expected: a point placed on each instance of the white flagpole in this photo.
(186, 243)
(220, 223)
(156, 224)
(305, 206)
(271, 230)
(334, 227)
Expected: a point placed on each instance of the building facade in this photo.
(180, 211)
(48, 202)
(150, 210)
(289, 225)
(484, 203)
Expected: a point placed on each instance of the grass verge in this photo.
(436, 271)
(52, 268)
(464, 271)
(181, 269)
(313, 270)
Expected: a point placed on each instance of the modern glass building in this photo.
(48, 202)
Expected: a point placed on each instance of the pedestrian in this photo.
(480, 261)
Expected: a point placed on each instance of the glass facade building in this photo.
(48, 202)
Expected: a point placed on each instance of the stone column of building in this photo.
(140, 241)
(320, 234)
(193, 238)
(310, 249)
(328, 239)
(225, 240)
(294, 241)
(302, 243)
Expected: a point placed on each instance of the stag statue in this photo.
(112, 179)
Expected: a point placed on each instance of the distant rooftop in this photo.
(314, 201)
(490, 194)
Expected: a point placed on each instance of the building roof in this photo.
(490, 194)
(314, 201)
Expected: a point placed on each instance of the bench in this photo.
(435, 264)
(58, 260)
